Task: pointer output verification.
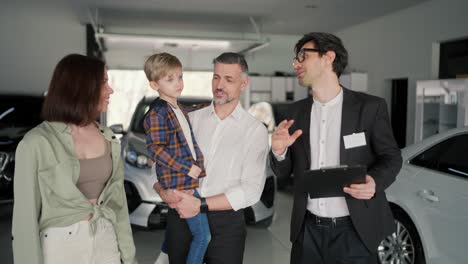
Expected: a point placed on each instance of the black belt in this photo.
(328, 221)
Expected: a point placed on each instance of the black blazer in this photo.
(361, 112)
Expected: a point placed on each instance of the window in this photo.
(131, 85)
(449, 156)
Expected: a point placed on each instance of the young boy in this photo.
(171, 144)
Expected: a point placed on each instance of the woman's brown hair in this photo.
(74, 90)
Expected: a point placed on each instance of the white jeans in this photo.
(76, 244)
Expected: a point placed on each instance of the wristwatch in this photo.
(203, 205)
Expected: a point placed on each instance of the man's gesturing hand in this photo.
(281, 139)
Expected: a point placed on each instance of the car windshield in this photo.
(18, 114)
(144, 106)
(140, 112)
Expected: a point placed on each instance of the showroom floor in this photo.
(269, 245)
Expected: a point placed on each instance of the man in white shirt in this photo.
(235, 146)
(346, 228)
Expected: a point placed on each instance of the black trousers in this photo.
(227, 243)
(327, 241)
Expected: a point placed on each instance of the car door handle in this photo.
(428, 195)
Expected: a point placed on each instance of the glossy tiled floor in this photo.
(264, 245)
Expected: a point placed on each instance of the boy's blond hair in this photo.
(159, 65)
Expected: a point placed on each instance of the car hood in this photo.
(18, 115)
(135, 142)
(11, 136)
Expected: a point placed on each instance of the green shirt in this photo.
(46, 173)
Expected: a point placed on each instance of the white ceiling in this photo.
(132, 29)
(293, 17)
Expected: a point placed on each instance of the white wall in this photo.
(276, 57)
(400, 46)
(35, 35)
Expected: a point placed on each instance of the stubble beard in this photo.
(223, 101)
(303, 83)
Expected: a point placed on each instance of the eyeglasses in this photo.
(301, 55)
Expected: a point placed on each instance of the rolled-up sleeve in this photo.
(122, 226)
(253, 173)
(27, 207)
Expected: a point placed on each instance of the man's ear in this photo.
(245, 82)
(330, 56)
(154, 85)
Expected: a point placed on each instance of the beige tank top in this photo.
(94, 174)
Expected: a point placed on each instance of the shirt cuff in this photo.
(236, 198)
(153, 173)
(280, 157)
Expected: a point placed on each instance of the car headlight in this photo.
(137, 159)
(142, 161)
(131, 157)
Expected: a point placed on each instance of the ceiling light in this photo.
(182, 42)
(154, 42)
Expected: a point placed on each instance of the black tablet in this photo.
(329, 182)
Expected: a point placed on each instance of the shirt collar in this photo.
(65, 128)
(236, 114)
(336, 100)
(60, 127)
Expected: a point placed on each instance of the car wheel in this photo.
(404, 246)
(133, 198)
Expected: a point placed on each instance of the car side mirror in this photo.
(117, 129)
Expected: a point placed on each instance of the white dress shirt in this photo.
(185, 129)
(325, 132)
(235, 151)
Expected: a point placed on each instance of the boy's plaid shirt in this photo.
(168, 147)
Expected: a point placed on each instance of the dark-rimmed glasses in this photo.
(301, 56)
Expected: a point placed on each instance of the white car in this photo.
(146, 207)
(429, 200)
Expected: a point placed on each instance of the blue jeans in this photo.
(201, 237)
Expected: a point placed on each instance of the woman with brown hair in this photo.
(70, 204)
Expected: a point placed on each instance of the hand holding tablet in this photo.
(329, 182)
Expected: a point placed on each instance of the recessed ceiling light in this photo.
(170, 44)
(311, 6)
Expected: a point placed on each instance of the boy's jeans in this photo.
(200, 230)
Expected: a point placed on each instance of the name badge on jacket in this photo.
(354, 140)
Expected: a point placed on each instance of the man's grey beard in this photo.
(222, 101)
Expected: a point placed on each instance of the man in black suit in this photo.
(335, 127)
